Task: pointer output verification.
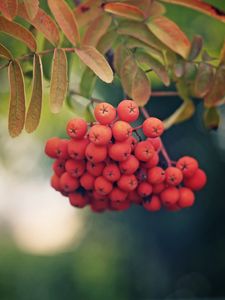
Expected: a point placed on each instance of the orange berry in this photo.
(133, 197)
(59, 166)
(130, 165)
(119, 151)
(76, 148)
(76, 128)
(144, 189)
(197, 181)
(78, 200)
(95, 169)
(117, 195)
(170, 196)
(144, 151)
(102, 185)
(111, 172)
(187, 197)
(121, 131)
(153, 204)
(153, 127)
(96, 153)
(156, 175)
(100, 135)
(105, 113)
(55, 182)
(128, 111)
(174, 176)
(87, 181)
(68, 183)
(188, 165)
(75, 167)
(127, 183)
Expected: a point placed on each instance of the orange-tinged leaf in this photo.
(42, 22)
(96, 62)
(18, 32)
(128, 70)
(201, 6)
(87, 11)
(204, 80)
(34, 110)
(196, 47)
(120, 54)
(5, 53)
(9, 8)
(31, 7)
(17, 99)
(107, 41)
(66, 20)
(170, 34)
(59, 80)
(96, 30)
(143, 5)
(124, 10)
(222, 54)
(157, 9)
(141, 88)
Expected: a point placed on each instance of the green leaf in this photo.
(190, 70)
(144, 5)
(222, 54)
(96, 62)
(206, 57)
(59, 80)
(211, 118)
(196, 47)
(87, 83)
(34, 110)
(124, 10)
(170, 34)
(204, 80)
(31, 7)
(141, 88)
(9, 8)
(5, 53)
(19, 32)
(17, 99)
(155, 65)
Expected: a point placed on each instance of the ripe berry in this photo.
(76, 148)
(174, 176)
(132, 141)
(153, 127)
(156, 175)
(156, 143)
(119, 151)
(55, 182)
(102, 185)
(78, 200)
(111, 172)
(99, 206)
(153, 204)
(170, 196)
(117, 195)
(76, 128)
(144, 151)
(197, 181)
(95, 169)
(158, 188)
(87, 181)
(188, 165)
(100, 135)
(133, 197)
(121, 131)
(144, 189)
(68, 183)
(119, 206)
(51, 147)
(96, 153)
(75, 167)
(152, 162)
(59, 167)
(187, 197)
(105, 113)
(130, 165)
(128, 111)
(127, 183)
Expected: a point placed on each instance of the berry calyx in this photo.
(105, 113)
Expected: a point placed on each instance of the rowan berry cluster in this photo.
(107, 166)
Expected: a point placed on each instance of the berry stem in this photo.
(163, 149)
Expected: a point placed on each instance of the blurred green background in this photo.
(48, 250)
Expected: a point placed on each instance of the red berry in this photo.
(102, 185)
(158, 188)
(51, 147)
(75, 167)
(105, 113)
(153, 127)
(111, 172)
(76, 128)
(174, 176)
(197, 181)
(100, 135)
(153, 204)
(87, 181)
(156, 175)
(68, 183)
(76, 148)
(119, 206)
(99, 206)
(78, 200)
(129, 166)
(55, 182)
(127, 183)
(144, 151)
(156, 143)
(144, 189)
(95, 169)
(96, 153)
(133, 197)
(187, 197)
(128, 111)
(132, 141)
(152, 162)
(119, 151)
(170, 196)
(59, 166)
(117, 195)
(188, 165)
(121, 131)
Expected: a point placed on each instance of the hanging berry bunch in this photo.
(108, 166)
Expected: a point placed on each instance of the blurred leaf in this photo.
(96, 30)
(107, 41)
(43, 23)
(127, 73)
(201, 6)
(206, 57)
(211, 118)
(66, 20)
(17, 99)
(9, 8)
(157, 9)
(96, 62)
(222, 54)
(217, 94)
(34, 110)
(59, 80)
(155, 65)
(31, 7)
(178, 69)
(18, 32)
(124, 10)
(87, 11)
(80, 106)
(190, 70)
(170, 34)
(87, 83)
(144, 5)
(204, 80)
(141, 88)
(120, 55)
(196, 47)
(5, 53)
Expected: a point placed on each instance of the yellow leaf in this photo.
(18, 32)
(5, 53)
(124, 10)
(96, 62)
(9, 8)
(59, 80)
(31, 7)
(17, 99)
(34, 110)
(66, 20)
